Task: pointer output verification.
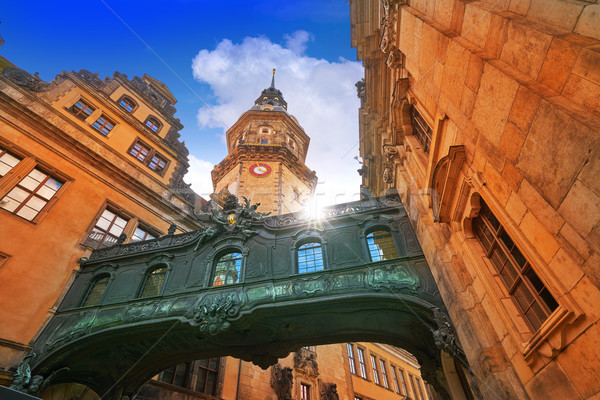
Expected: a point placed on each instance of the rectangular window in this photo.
(82, 110)
(141, 234)
(523, 284)
(383, 374)
(421, 130)
(402, 382)
(374, 368)
(351, 360)
(206, 373)
(175, 375)
(31, 194)
(7, 162)
(414, 388)
(361, 362)
(395, 378)
(107, 230)
(157, 163)
(420, 390)
(304, 391)
(139, 150)
(264, 141)
(103, 125)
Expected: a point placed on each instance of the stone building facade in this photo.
(84, 163)
(485, 117)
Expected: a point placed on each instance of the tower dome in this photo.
(271, 98)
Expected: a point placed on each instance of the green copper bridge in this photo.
(249, 286)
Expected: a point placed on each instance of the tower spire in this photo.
(273, 79)
(271, 97)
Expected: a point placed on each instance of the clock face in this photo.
(260, 169)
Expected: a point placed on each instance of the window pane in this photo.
(310, 258)
(7, 162)
(361, 361)
(96, 291)
(30, 195)
(351, 358)
(395, 378)
(381, 246)
(227, 270)
(383, 374)
(154, 282)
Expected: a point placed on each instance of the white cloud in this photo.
(199, 176)
(320, 94)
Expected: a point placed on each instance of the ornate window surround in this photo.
(550, 338)
(379, 226)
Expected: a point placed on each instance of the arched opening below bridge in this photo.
(115, 362)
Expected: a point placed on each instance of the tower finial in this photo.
(273, 79)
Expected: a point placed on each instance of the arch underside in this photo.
(124, 357)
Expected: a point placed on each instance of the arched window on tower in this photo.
(154, 282)
(228, 269)
(310, 257)
(381, 245)
(95, 292)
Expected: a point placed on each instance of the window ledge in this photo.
(551, 338)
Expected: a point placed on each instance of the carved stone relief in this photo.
(282, 380)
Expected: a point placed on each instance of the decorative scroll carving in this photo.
(395, 59)
(139, 311)
(328, 391)
(25, 79)
(392, 277)
(282, 380)
(305, 362)
(22, 377)
(213, 314)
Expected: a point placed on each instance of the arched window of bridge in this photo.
(154, 282)
(310, 257)
(381, 245)
(96, 291)
(228, 269)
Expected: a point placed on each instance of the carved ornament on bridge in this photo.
(213, 314)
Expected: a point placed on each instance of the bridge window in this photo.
(310, 257)
(228, 269)
(523, 284)
(154, 282)
(127, 103)
(95, 292)
(381, 246)
(351, 360)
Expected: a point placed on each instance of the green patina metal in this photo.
(115, 346)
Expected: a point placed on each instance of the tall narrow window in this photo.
(31, 194)
(421, 130)
(153, 124)
(527, 290)
(310, 257)
(381, 246)
(154, 282)
(103, 125)
(420, 390)
(351, 360)
(384, 377)
(82, 110)
(127, 104)
(7, 162)
(95, 292)
(304, 391)
(403, 382)
(375, 372)
(107, 230)
(228, 269)
(414, 388)
(361, 362)
(395, 378)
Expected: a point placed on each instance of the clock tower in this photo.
(266, 152)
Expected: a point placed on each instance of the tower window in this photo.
(381, 246)
(82, 110)
(154, 283)
(228, 269)
(264, 141)
(310, 257)
(523, 284)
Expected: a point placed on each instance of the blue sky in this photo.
(307, 40)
